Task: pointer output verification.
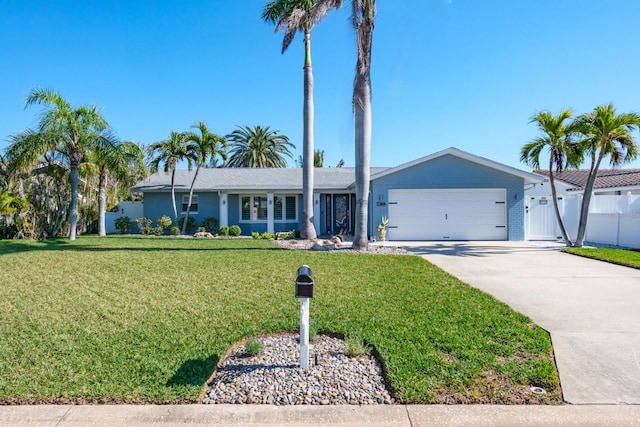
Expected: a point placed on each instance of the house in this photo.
(449, 195)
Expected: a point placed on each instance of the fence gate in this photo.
(541, 218)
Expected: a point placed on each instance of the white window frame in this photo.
(283, 218)
(252, 202)
(195, 200)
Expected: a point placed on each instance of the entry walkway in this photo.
(591, 309)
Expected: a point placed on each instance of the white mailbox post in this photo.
(304, 291)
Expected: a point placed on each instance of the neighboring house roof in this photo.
(251, 179)
(606, 178)
(528, 177)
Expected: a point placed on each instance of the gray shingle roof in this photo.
(255, 179)
(606, 178)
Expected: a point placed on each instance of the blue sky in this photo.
(461, 73)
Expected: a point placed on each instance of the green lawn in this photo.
(128, 319)
(628, 258)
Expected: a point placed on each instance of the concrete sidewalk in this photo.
(591, 309)
(366, 416)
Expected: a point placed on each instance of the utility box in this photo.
(304, 283)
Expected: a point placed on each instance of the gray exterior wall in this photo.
(451, 172)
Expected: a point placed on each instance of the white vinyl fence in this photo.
(613, 220)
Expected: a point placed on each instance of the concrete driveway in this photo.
(591, 309)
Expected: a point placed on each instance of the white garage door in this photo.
(452, 214)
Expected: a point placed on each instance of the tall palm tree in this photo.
(124, 161)
(604, 133)
(258, 147)
(363, 14)
(298, 15)
(167, 154)
(63, 129)
(556, 139)
(205, 149)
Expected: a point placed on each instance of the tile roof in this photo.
(607, 178)
(229, 179)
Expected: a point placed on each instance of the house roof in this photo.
(606, 178)
(251, 179)
(528, 177)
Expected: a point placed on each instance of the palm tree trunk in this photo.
(586, 200)
(173, 194)
(186, 217)
(362, 112)
(102, 202)
(73, 217)
(563, 229)
(307, 229)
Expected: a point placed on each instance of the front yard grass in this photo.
(129, 319)
(626, 257)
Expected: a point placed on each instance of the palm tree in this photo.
(125, 162)
(299, 15)
(604, 133)
(561, 152)
(167, 154)
(63, 129)
(204, 148)
(258, 147)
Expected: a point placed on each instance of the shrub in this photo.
(144, 225)
(210, 224)
(123, 224)
(253, 347)
(191, 224)
(174, 231)
(296, 233)
(158, 230)
(235, 230)
(355, 347)
(267, 236)
(255, 235)
(163, 223)
(201, 230)
(224, 231)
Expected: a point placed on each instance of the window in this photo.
(254, 208)
(194, 203)
(285, 208)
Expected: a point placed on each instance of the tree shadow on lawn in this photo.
(65, 245)
(194, 372)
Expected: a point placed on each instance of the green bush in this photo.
(255, 235)
(191, 224)
(210, 224)
(123, 224)
(224, 231)
(201, 230)
(158, 230)
(174, 231)
(235, 230)
(163, 223)
(267, 236)
(296, 234)
(144, 225)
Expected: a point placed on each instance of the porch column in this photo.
(223, 204)
(270, 213)
(316, 213)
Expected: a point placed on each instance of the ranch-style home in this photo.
(448, 195)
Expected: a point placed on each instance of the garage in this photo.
(447, 214)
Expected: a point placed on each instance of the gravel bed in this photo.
(274, 376)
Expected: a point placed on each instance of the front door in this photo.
(341, 214)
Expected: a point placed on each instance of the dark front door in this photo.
(341, 214)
